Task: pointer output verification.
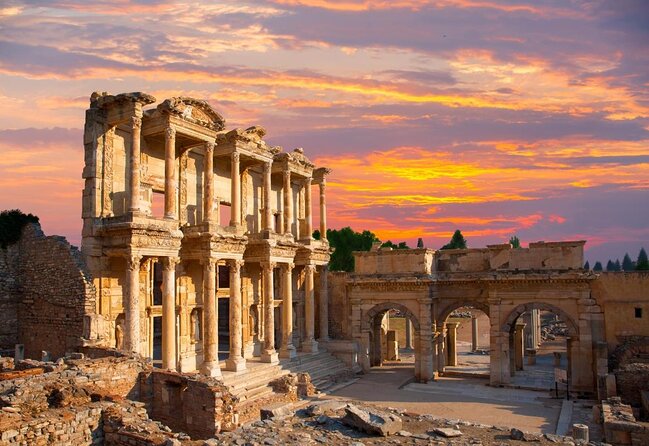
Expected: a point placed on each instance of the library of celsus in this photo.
(199, 240)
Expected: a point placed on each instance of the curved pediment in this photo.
(193, 110)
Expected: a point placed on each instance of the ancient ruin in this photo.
(199, 296)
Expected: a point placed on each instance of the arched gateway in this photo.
(502, 282)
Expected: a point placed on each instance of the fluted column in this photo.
(452, 343)
(235, 362)
(170, 173)
(309, 344)
(324, 305)
(474, 333)
(307, 209)
(268, 216)
(287, 349)
(132, 304)
(269, 354)
(169, 313)
(408, 334)
(134, 191)
(208, 196)
(323, 210)
(235, 218)
(288, 202)
(210, 366)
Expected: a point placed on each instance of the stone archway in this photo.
(514, 340)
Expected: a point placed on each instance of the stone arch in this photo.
(630, 347)
(508, 326)
(385, 306)
(482, 306)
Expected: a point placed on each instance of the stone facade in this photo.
(198, 236)
(48, 296)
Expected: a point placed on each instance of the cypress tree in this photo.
(587, 266)
(642, 264)
(598, 266)
(610, 266)
(627, 263)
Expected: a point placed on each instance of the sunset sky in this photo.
(493, 117)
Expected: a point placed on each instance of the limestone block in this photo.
(372, 421)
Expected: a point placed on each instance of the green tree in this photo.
(420, 242)
(587, 266)
(610, 266)
(389, 244)
(457, 241)
(12, 223)
(627, 263)
(618, 267)
(345, 241)
(642, 264)
(598, 266)
(515, 242)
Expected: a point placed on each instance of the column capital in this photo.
(236, 264)
(322, 184)
(268, 265)
(267, 166)
(170, 263)
(170, 132)
(136, 121)
(209, 146)
(133, 261)
(286, 174)
(288, 266)
(210, 262)
(308, 181)
(310, 267)
(235, 157)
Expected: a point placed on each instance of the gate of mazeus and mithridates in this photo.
(428, 299)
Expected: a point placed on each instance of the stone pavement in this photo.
(467, 399)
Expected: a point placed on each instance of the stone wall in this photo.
(57, 297)
(194, 404)
(8, 297)
(631, 380)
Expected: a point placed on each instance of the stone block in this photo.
(276, 411)
(372, 421)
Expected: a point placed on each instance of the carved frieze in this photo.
(193, 110)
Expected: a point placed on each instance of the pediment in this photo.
(193, 110)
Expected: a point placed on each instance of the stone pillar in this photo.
(408, 334)
(169, 313)
(132, 304)
(323, 305)
(134, 191)
(536, 327)
(236, 362)
(518, 345)
(267, 220)
(288, 203)
(452, 343)
(323, 210)
(210, 366)
(474, 333)
(287, 349)
(269, 354)
(170, 173)
(307, 209)
(235, 217)
(309, 344)
(208, 196)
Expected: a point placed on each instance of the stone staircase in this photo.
(324, 368)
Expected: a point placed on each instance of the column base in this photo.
(310, 346)
(211, 369)
(270, 356)
(249, 350)
(235, 365)
(287, 352)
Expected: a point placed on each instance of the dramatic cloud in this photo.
(497, 117)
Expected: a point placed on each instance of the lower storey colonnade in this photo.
(180, 312)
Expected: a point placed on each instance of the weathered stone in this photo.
(372, 421)
(447, 432)
(276, 411)
(325, 407)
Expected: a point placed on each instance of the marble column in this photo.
(210, 366)
(132, 304)
(309, 344)
(170, 174)
(236, 362)
(267, 220)
(518, 345)
(452, 342)
(268, 353)
(134, 191)
(287, 350)
(323, 210)
(235, 217)
(323, 305)
(208, 185)
(408, 334)
(169, 313)
(474, 333)
(288, 203)
(307, 209)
